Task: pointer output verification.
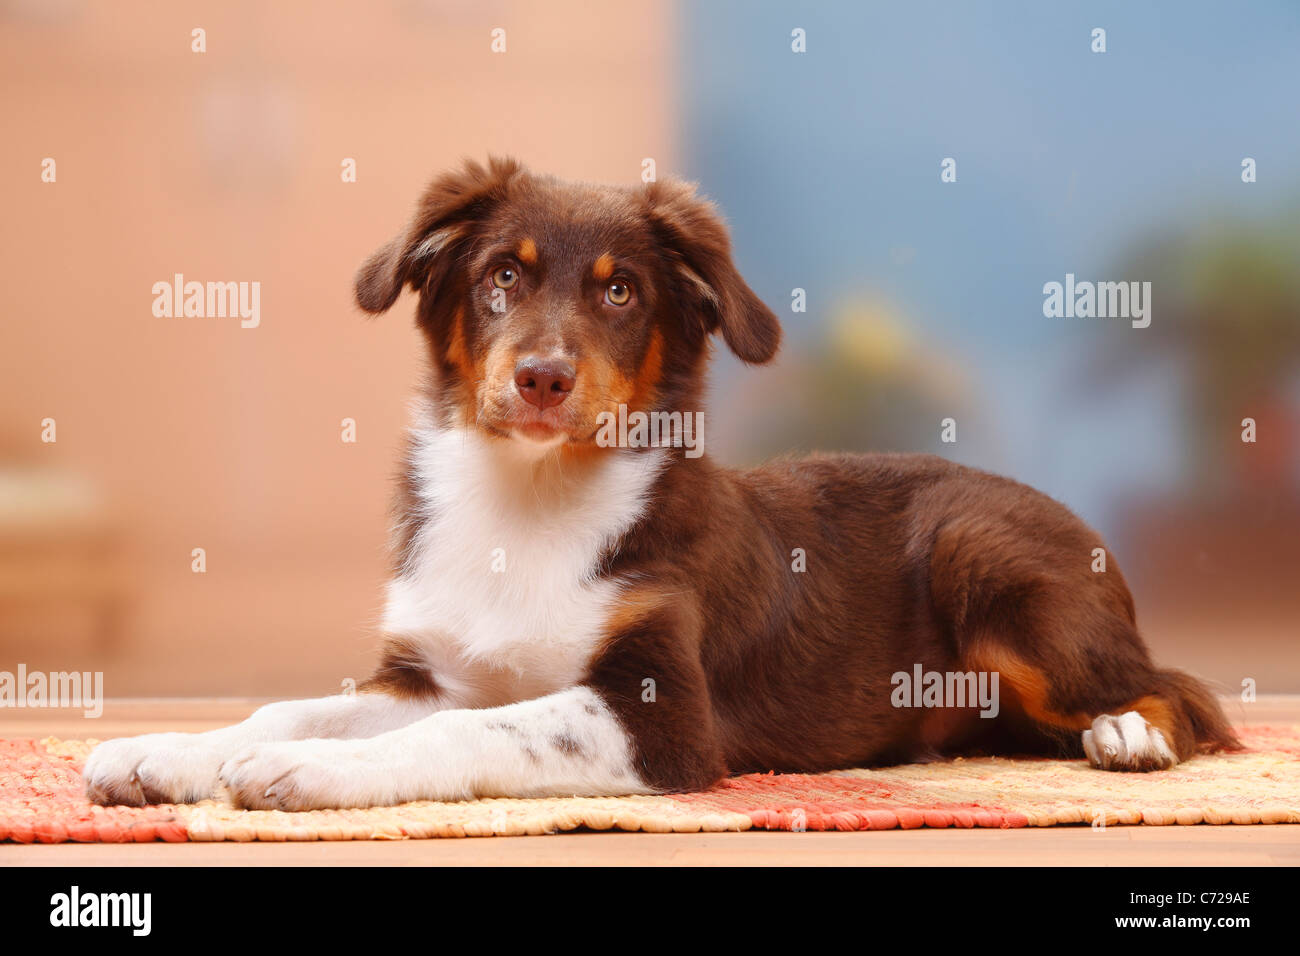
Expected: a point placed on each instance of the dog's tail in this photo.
(1200, 724)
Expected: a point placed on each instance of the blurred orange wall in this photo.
(225, 166)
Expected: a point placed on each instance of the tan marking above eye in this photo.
(603, 267)
(505, 277)
(528, 252)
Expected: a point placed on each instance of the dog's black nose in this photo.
(544, 382)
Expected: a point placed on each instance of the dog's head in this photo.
(546, 303)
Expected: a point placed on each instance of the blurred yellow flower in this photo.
(870, 335)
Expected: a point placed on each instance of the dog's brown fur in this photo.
(911, 559)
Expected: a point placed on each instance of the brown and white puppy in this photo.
(570, 618)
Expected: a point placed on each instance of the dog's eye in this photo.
(618, 292)
(505, 278)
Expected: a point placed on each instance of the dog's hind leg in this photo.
(1150, 720)
(1064, 643)
(1180, 711)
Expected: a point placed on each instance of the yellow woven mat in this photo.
(41, 800)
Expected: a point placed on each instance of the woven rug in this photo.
(41, 800)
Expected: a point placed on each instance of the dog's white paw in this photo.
(303, 775)
(153, 768)
(1127, 742)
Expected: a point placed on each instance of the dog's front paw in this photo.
(154, 768)
(1127, 742)
(301, 775)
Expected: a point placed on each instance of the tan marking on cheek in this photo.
(638, 392)
(456, 352)
(498, 364)
(528, 252)
(652, 368)
(603, 268)
(600, 386)
(497, 376)
(468, 372)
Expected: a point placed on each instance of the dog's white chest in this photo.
(504, 573)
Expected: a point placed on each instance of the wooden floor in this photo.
(1054, 846)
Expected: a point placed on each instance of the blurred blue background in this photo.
(827, 164)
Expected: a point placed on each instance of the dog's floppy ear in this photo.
(444, 216)
(695, 237)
